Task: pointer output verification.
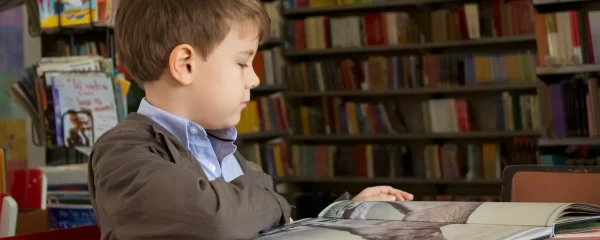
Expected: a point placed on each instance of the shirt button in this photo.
(212, 168)
(194, 130)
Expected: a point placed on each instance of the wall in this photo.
(17, 50)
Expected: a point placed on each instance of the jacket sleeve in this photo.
(144, 196)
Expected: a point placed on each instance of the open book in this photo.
(348, 220)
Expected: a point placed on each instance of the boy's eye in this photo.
(243, 65)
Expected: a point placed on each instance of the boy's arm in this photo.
(144, 196)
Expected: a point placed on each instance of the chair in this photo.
(530, 183)
(8, 216)
(78, 233)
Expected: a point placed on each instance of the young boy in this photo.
(171, 170)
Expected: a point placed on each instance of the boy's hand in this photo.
(383, 193)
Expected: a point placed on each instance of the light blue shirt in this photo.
(215, 156)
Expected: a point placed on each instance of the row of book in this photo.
(585, 156)
(264, 114)
(445, 115)
(574, 104)
(513, 113)
(568, 37)
(269, 66)
(347, 117)
(447, 161)
(71, 100)
(470, 21)
(56, 13)
(85, 48)
(476, 161)
(331, 160)
(518, 112)
(400, 72)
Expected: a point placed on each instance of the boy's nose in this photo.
(252, 81)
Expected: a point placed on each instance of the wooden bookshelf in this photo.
(261, 136)
(269, 88)
(358, 7)
(548, 6)
(543, 142)
(564, 70)
(293, 12)
(470, 89)
(411, 47)
(418, 181)
(476, 135)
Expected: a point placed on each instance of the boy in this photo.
(171, 171)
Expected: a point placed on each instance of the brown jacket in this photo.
(145, 184)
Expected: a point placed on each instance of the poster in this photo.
(13, 138)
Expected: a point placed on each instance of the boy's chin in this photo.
(231, 122)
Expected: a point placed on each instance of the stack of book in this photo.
(72, 101)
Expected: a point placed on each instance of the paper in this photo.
(13, 138)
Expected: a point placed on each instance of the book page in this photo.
(350, 229)
(492, 213)
(416, 211)
(491, 232)
(521, 214)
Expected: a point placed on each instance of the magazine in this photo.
(418, 220)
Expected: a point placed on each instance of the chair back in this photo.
(534, 183)
(8, 215)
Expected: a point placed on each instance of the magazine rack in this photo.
(529, 183)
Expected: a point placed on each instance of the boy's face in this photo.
(217, 88)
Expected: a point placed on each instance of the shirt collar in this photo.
(178, 126)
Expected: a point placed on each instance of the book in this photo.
(429, 220)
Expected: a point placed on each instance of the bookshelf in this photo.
(397, 58)
(569, 67)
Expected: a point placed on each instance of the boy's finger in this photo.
(380, 197)
(401, 195)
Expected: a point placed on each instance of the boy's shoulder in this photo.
(134, 127)
(134, 134)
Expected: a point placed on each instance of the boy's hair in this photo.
(146, 31)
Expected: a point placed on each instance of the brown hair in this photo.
(146, 31)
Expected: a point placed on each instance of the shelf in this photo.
(269, 88)
(548, 6)
(77, 28)
(409, 47)
(422, 91)
(341, 180)
(568, 142)
(413, 136)
(262, 136)
(562, 70)
(347, 8)
(292, 12)
(271, 43)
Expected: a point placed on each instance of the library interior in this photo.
(462, 103)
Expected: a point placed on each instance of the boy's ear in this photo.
(180, 63)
